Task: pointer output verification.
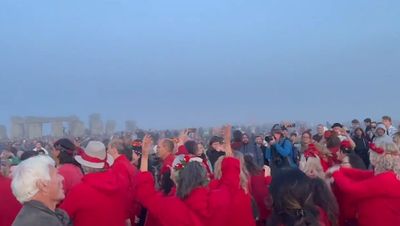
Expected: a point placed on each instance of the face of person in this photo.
(387, 123)
(162, 152)
(200, 149)
(259, 140)
(380, 132)
(293, 138)
(55, 185)
(305, 138)
(38, 145)
(277, 136)
(55, 152)
(216, 146)
(337, 129)
(320, 130)
(367, 123)
(312, 173)
(245, 139)
(358, 133)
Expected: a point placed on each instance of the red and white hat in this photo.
(95, 156)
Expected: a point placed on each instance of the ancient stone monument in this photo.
(32, 127)
(95, 124)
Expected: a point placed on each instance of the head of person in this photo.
(359, 132)
(245, 138)
(165, 148)
(192, 147)
(373, 125)
(355, 123)
(244, 174)
(37, 179)
(306, 138)
(64, 151)
(380, 130)
(200, 149)
(259, 140)
(313, 168)
(94, 158)
(320, 129)
(38, 145)
(118, 145)
(251, 166)
(367, 122)
(188, 174)
(387, 121)
(276, 132)
(292, 199)
(237, 136)
(215, 143)
(337, 127)
(293, 137)
(333, 141)
(285, 131)
(396, 138)
(385, 157)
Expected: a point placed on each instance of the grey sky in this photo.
(190, 63)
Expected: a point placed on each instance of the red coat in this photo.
(377, 198)
(101, 198)
(202, 207)
(9, 206)
(72, 176)
(260, 192)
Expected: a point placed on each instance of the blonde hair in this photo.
(244, 174)
(388, 161)
(313, 163)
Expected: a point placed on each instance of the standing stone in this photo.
(77, 128)
(57, 129)
(96, 124)
(111, 125)
(17, 127)
(3, 132)
(34, 130)
(130, 126)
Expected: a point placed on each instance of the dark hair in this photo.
(67, 151)
(307, 132)
(251, 166)
(368, 120)
(362, 131)
(191, 147)
(387, 118)
(193, 175)
(215, 139)
(356, 161)
(27, 154)
(292, 197)
(237, 136)
(355, 121)
(324, 198)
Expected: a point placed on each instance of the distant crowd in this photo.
(285, 175)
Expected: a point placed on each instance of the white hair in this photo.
(27, 174)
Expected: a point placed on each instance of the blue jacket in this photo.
(284, 148)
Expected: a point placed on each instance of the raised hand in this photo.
(146, 144)
(227, 138)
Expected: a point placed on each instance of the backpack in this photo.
(281, 161)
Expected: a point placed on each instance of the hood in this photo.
(197, 201)
(104, 182)
(381, 126)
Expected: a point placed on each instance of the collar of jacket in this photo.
(60, 214)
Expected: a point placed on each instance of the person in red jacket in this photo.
(260, 179)
(100, 199)
(194, 202)
(64, 152)
(9, 206)
(376, 194)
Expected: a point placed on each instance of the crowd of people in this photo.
(336, 176)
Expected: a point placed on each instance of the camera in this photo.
(269, 138)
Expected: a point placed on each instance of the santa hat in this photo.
(95, 156)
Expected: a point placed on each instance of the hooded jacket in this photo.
(101, 198)
(382, 139)
(9, 206)
(376, 197)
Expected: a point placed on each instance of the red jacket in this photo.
(101, 198)
(9, 206)
(72, 176)
(260, 192)
(377, 198)
(202, 207)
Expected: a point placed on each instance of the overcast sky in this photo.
(189, 63)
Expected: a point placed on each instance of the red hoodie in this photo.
(377, 198)
(9, 206)
(72, 176)
(202, 207)
(101, 198)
